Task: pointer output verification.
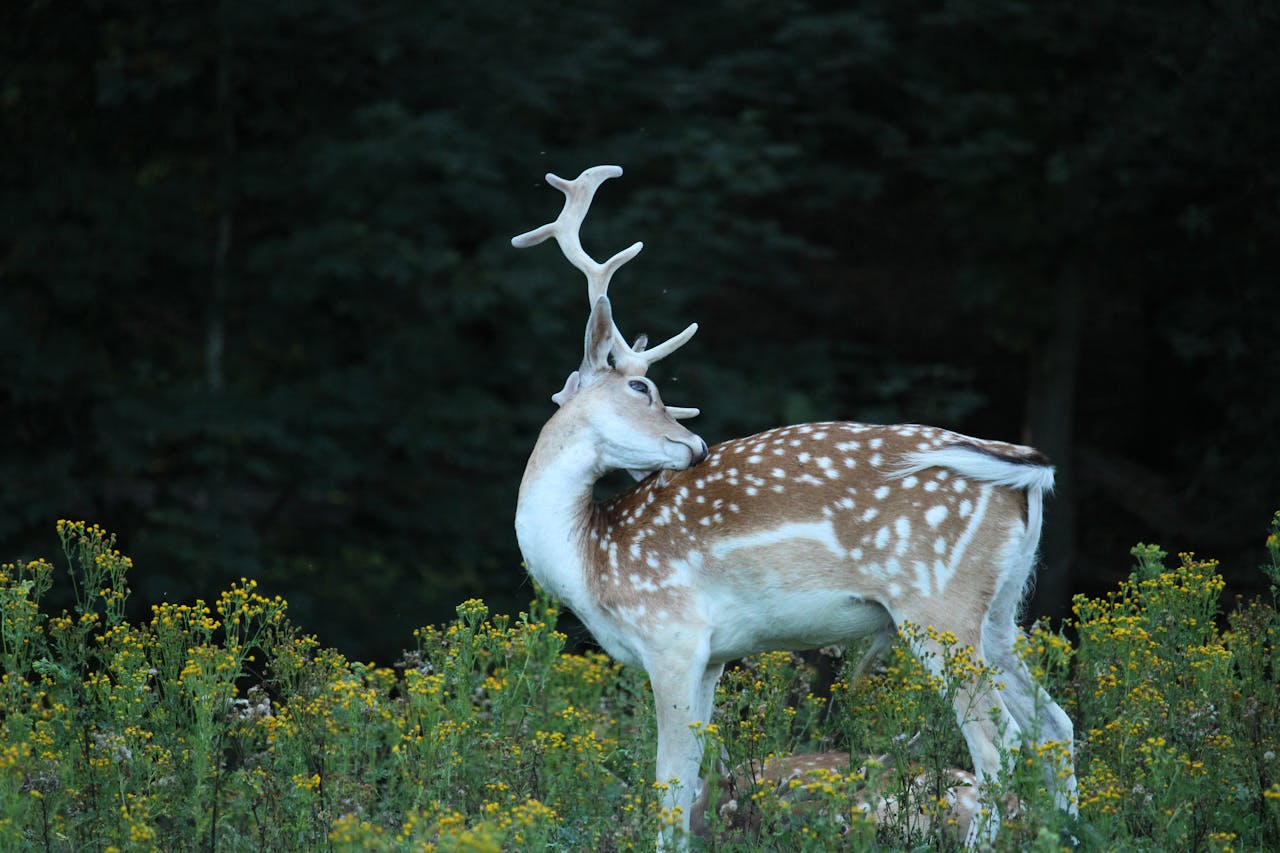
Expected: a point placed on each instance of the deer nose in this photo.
(699, 453)
(694, 444)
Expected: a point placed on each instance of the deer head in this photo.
(628, 360)
(607, 358)
(620, 415)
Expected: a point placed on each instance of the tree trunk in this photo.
(1051, 428)
(215, 331)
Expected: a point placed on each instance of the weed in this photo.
(224, 727)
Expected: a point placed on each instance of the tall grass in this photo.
(222, 726)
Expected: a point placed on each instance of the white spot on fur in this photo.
(935, 516)
(957, 554)
(923, 581)
(683, 572)
(903, 528)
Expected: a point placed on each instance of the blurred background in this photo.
(260, 315)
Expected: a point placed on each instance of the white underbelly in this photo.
(789, 619)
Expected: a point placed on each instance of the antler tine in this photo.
(578, 194)
(667, 347)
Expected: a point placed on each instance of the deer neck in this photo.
(555, 510)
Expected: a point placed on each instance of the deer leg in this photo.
(703, 713)
(879, 643)
(684, 685)
(1040, 717)
(989, 730)
(707, 697)
(707, 692)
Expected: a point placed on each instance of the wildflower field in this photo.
(223, 727)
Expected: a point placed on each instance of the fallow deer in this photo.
(888, 798)
(795, 538)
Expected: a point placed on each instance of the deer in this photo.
(794, 538)
(885, 797)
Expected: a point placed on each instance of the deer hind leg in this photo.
(990, 731)
(684, 684)
(1041, 718)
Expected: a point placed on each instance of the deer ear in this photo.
(599, 339)
(570, 388)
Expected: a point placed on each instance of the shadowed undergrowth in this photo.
(223, 726)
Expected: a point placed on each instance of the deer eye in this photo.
(638, 386)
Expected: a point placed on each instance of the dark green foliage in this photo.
(260, 313)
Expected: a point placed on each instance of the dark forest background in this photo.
(260, 314)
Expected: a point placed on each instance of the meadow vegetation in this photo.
(223, 726)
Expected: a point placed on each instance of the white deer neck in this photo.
(554, 511)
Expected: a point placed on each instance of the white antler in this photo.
(578, 194)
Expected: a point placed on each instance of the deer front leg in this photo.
(684, 686)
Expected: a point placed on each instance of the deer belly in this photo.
(790, 620)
